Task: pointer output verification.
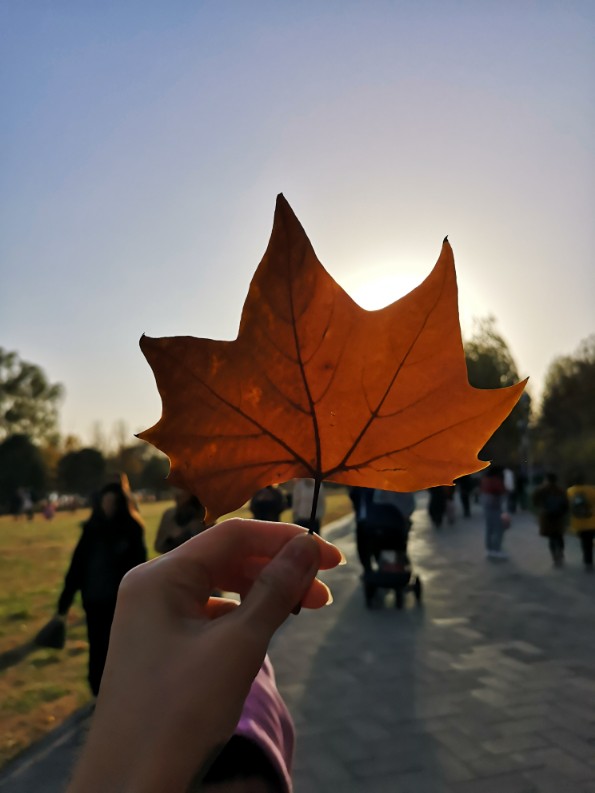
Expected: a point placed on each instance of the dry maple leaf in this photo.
(316, 386)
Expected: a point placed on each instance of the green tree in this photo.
(489, 361)
(28, 401)
(81, 472)
(490, 364)
(21, 465)
(566, 422)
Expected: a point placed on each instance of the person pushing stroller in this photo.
(383, 521)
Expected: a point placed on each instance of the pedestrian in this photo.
(451, 510)
(301, 504)
(437, 505)
(404, 502)
(492, 494)
(268, 503)
(121, 478)
(464, 486)
(16, 503)
(551, 503)
(49, 509)
(181, 663)
(581, 500)
(28, 506)
(361, 498)
(509, 479)
(382, 523)
(403, 507)
(522, 481)
(111, 544)
(180, 523)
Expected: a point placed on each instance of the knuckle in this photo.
(135, 580)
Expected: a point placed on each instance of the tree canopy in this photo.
(490, 364)
(489, 360)
(81, 471)
(566, 423)
(21, 465)
(28, 401)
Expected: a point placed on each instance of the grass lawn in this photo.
(39, 688)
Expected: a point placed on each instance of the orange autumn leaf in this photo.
(316, 386)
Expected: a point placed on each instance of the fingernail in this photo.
(330, 598)
(343, 559)
(335, 548)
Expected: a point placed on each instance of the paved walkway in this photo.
(487, 688)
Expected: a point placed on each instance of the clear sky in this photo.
(143, 144)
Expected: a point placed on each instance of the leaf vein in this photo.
(239, 411)
(398, 370)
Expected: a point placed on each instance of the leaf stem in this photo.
(317, 483)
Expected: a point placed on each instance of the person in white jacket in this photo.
(301, 504)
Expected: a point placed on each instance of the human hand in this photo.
(181, 663)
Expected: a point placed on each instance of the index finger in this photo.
(217, 557)
(227, 543)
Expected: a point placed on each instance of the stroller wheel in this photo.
(417, 589)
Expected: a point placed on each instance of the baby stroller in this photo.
(382, 533)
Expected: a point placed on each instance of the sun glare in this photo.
(379, 286)
(376, 289)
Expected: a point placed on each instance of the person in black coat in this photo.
(111, 544)
(268, 503)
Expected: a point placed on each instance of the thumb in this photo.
(281, 585)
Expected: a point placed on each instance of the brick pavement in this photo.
(488, 688)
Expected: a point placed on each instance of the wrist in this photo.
(130, 753)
